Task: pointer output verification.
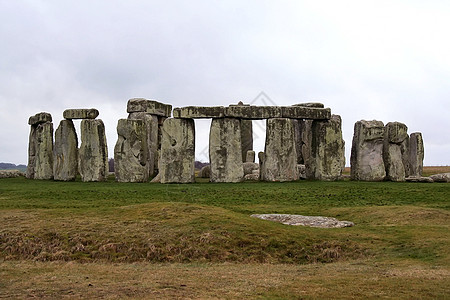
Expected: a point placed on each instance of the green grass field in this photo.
(116, 240)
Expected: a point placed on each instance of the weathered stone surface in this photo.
(253, 112)
(177, 151)
(280, 161)
(40, 151)
(152, 129)
(40, 118)
(84, 113)
(250, 157)
(198, 112)
(205, 172)
(302, 112)
(395, 151)
(310, 104)
(419, 179)
(327, 160)
(443, 177)
(310, 221)
(416, 154)
(366, 159)
(260, 158)
(93, 152)
(249, 167)
(65, 158)
(246, 138)
(303, 139)
(225, 154)
(130, 152)
(149, 106)
(252, 177)
(301, 171)
(156, 179)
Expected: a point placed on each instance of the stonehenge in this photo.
(156, 143)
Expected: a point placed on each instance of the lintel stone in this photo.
(40, 118)
(310, 104)
(198, 112)
(253, 112)
(83, 113)
(303, 112)
(149, 106)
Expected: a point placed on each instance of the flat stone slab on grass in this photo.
(310, 221)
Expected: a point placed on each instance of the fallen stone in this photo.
(395, 151)
(443, 177)
(419, 179)
(366, 158)
(130, 152)
(11, 173)
(416, 154)
(252, 177)
(250, 157)
(249, 167)
(93, 152)
(91, 113)
(177, 151)
(40, 118)
(327, 160)
(225, 154)
(205, 172)
(303, 112)
(198, 112)
(65, 161)
(149, 106)
(280, 156)
(309, 221)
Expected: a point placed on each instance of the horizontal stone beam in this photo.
(83, 113)
(40, 118)
(311, 104)
(198, 112)
(253, 112)
(302, 112)
(149, 106)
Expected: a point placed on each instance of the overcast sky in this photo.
(382, 60)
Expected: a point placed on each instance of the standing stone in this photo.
(280, 156)
(250, 156)
(153, 143)
(225, 154)
(43, 168)
(366, 159)
(416, 154)
(93, 153)
(130, 152)
(303, 139)
(394, 150)
(40, 147)
(65, 164)
(327, 159)
(246, 138)
(177, 151)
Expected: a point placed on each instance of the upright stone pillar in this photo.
(225, 154)
(416, 154)
(246, 138)
(280, 156)
(366, 159)
(303, 139)
(327, 159)
(93, 153)
(65, 164)
(40, 149)
(130, 152)
(394, 151)
(177, 151)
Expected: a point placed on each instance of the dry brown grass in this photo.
(344, 280)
